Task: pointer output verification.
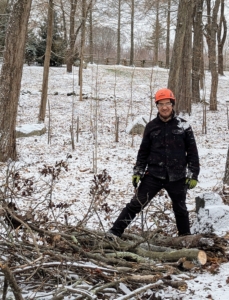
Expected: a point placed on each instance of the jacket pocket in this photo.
(178, 131)
(155, 133)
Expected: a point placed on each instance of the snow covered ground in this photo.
(123, 92)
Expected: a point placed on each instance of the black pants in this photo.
(148, 188)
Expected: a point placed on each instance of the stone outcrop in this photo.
(27, 130)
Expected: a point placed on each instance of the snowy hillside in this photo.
(125, 93)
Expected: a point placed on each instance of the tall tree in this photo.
(132, 33)
(119, 33)
(179, 52)
(221, 37)
(83, 29)
(157, 34)
(91, 40)
(167, 60)
(44, 93)
(185, 77)
(197, 50)
(210, 34)
(11, 73)
(64, 21)
(71, 51)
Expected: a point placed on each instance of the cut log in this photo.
(188, 265)
(190, 254)
(200, 241)
(140, 255)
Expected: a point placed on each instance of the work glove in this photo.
(135, 180)
(191, 183)
(138, 175)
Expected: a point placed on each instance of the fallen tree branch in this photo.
(11, 281)
(129, 255)
(140, 290)
(207, 242)
(24, 224)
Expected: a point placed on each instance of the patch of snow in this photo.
(29, 128)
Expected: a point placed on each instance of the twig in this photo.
(140, 290)
(105, 286)
(24, 224)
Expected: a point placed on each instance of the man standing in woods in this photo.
(167, 159)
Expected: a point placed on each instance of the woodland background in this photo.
(184, 36)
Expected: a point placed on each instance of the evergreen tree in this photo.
(39, 43)
(30, 48)
(4, 16)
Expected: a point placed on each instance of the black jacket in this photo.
(168, 150)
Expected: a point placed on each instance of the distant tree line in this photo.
(117, 29)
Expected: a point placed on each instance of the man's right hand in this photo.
(135, 180)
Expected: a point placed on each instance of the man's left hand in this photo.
(135, 180)
(191, 183)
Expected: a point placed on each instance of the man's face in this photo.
(165, 108)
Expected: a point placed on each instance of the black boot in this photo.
(112, 235)
(123, 220)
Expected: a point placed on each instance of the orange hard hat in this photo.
(164, 94)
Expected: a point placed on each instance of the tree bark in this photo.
(132, 34)
(197, 50)
(176, 59)
(91, 35)
(70, 51)
(211, 30)
(157, 34)
(202, 242)
(221, 41)
(119, 33)
(12, 282)
(83, 29)
(11, 73)
(167, 61)
(175, 255)
(226, 174)
(185, 77)
(44, 93)
(64, 21)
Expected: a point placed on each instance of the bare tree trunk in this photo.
(226, 173)
(64, 21)
(83, 28)
(132, 35)
(91, 36)
(197, 50)
(185, 76)
(157, 34)
(70, 51)
(11, 73)
(202, 70)
(168, 36)
(221, 41)
(211, 30)
(44, 93)
(176, 60)
(119, 33)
